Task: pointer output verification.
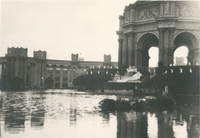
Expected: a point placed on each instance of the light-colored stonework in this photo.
(164, 24)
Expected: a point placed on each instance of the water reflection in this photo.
(14, 122)
(165, 125)
(105, 119)
(76, 115)
(183, 122)
(73, 113)
(37, 119)
(131, 125)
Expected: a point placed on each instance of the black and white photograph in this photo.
(99, 69)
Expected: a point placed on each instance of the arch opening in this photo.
(147, 44)
(153, 56)
(189, 42)
(180, 56)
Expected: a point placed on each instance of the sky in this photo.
(62, 27)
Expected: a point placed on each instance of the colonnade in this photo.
(126, 53)
(37, 74)
(65, 72)
(16, 67)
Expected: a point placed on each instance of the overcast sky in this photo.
(62, 27)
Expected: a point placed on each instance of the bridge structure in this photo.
(166, 25)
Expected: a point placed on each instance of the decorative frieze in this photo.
(188, 25)
(145, 14)
(187, 11)
(146, 27)
(167, 23)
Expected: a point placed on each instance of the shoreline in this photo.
(106, 92)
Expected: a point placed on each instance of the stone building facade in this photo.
(163, 24)
(34, 70)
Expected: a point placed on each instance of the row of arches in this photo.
(180, 56)
(181, 50)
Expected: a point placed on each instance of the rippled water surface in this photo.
(70, 114)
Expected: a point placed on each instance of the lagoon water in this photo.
(71, 114)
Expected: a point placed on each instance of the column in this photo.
(43, 73)
(39, 74)
(2, 70)
(120, 43)
(7, 72)
(166, 47)
(132, 15)
(139, 58)
(129, 129)
(123, 126)
(125, 51)
(171, 46)
(68, 76)
(21, 69)
(61, 77)
(30, 76)
(16, 67)
(119, 114)
(35, 74)
(130, 49)
(161, 49)
(72, 75)
(25, 71)
(12, 67)
(54, 70)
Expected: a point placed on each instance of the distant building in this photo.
(35, 70)
(179, 61)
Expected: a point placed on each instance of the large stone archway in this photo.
(166, 24)
(191, 42)
(144, 43)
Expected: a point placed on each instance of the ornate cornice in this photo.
(119, 32)
(166, 19)
(121, 17)
(188, 21)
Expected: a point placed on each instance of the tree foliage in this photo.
(92, 81)
(49, 82)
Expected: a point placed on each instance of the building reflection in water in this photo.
(193, 127)
(105, 119)
(73, 115)
(14, 122)
(38, 113)
(159, 125)
(14, 113)
(73, 110)
(37, 119)
(131, 125)
(165, 125)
